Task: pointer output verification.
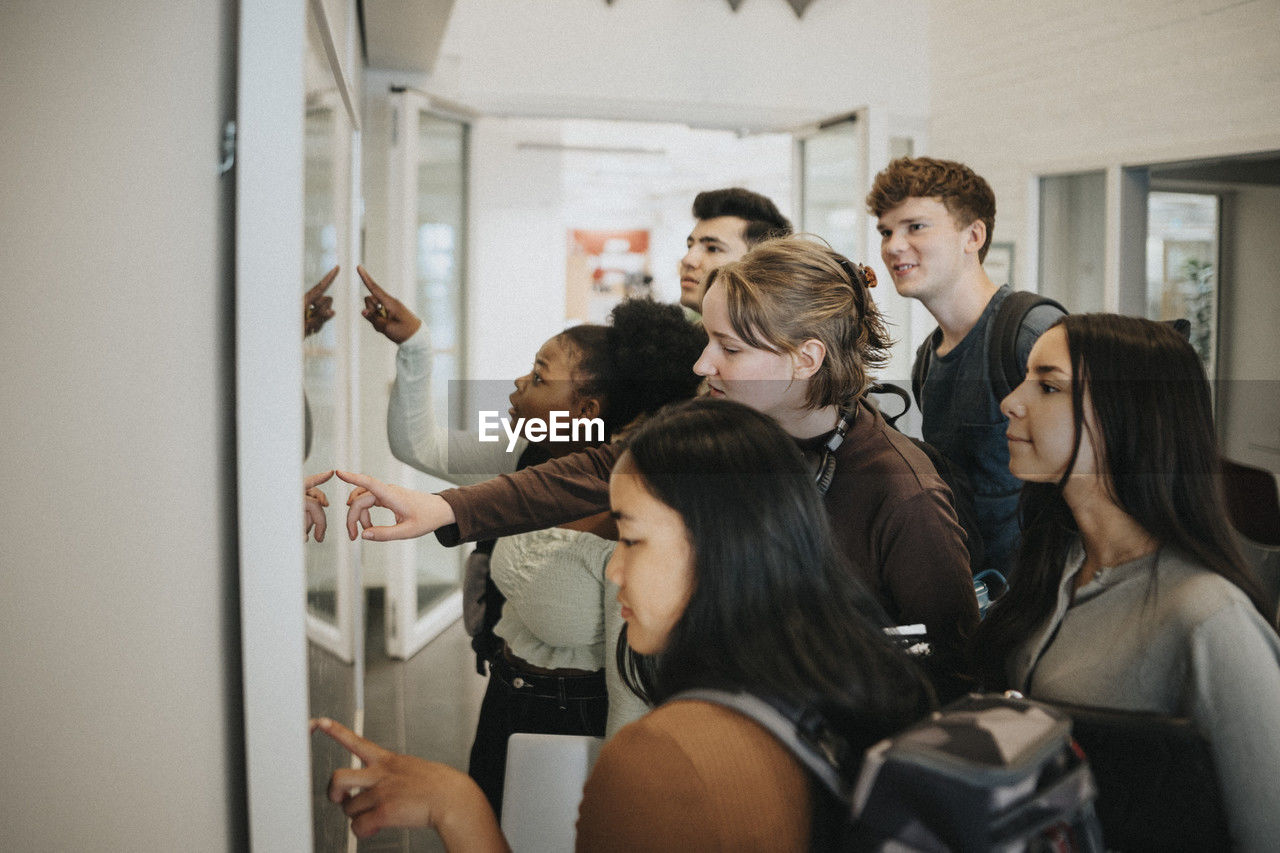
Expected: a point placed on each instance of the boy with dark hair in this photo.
(936, 218)
(730, 222)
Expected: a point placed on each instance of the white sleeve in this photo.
(419, 439)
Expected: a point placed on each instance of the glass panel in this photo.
(1182, 265)
(832, 201)
(438, 269)
(320, 384)
(1073, 213)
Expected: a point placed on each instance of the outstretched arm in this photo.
(564, 489)
(403, 791)
(416, 434)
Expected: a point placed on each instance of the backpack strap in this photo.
(1002, 351)
(891, 390)
(920, 367)
(787, 725)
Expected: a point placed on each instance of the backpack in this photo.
(987, 772)
(1002, 352)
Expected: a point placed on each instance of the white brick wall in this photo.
(1021, 88)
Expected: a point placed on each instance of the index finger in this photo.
(364, 480)
(316, 479)
(362, 748)
(370, 283)
(324, 283)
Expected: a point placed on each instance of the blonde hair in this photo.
(788, 290)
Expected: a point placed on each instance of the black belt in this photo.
(559, 687)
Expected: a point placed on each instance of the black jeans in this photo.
(539, 704)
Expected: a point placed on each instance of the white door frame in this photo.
(268, 266)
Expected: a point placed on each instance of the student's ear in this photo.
(807, 358)
(975, 237)
(587, 407)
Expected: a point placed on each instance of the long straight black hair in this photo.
(773, 609)
(1157, 445)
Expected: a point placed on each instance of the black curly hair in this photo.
(638, 363)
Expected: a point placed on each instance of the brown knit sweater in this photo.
(697, 777)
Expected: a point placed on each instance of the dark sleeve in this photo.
(545, 495)
(925, 567)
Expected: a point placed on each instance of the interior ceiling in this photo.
(404, 35)
(407, 36)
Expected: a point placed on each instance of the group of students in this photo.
(763, 534)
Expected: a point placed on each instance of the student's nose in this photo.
(689, 261)
(613, 568)
(1012, 406)
(703, 366)
(894, 243)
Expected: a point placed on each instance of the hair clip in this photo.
(857, 273)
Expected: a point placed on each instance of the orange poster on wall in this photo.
(604, 267)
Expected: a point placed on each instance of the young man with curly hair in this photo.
(935, 219)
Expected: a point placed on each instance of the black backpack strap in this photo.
(920, 367)
(785, 724)
(1002, 351)
(891, 390)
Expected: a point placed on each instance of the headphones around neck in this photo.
(827, 463)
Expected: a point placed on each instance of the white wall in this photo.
(1019, 89)
(119, 656)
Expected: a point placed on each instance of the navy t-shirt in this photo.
(961, 417)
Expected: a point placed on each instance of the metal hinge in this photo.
(228, 148)
(391, 614)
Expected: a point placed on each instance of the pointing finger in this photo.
(324, 284)
(316, 479)
(362, 748)
(371, 284)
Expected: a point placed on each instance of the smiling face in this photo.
(759, 378)
(1041, 421)
(653, 564)
(712, 243)
(549, 386)
(925, 250)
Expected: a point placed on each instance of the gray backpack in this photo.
(986, 773)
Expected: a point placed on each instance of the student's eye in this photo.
(916, 226)
(730, 350)
(626, 543)
(885, 233)
(1046, 388)
(714, 249)
(537, 380)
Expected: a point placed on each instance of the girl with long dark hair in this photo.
(1130, 592)
(728, 577)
